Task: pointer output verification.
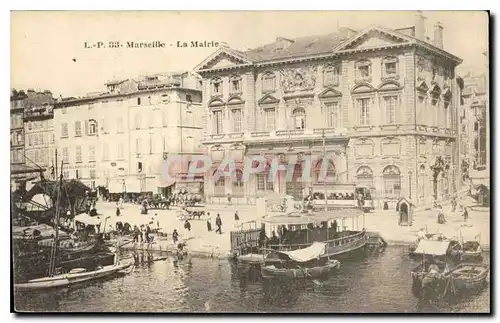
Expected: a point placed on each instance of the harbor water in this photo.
(370, 282)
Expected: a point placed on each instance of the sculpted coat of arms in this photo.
(299, 79)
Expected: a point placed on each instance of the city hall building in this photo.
(382, 104)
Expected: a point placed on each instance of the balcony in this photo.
(160, 83)
(290, 132)
(38, 113)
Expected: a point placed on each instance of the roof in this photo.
(116, 82)
(431, 247)
(314, 251)
(303, 46)
(316, 217)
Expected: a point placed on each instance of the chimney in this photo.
(420, 25)
(438, 35)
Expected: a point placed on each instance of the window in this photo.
(138, 145)
(331, 173)
(36, 139)
(91, 127)
(40, 139)
(30, 140)
(390, 103)
(332, 112)
(91, 153)
(91, 106)
(364, 177)
(235, 85)
(238, 183)
(164, 118)
(92, 173)
(299, 116)
(64, 130)
(364, 111)
(119, 125)
(78, 129)
(389, 67)
(65, 155)
(119, 102)
(269, 119)
(331, 75)
(149, 100)
(363, 71)
(52, 138)
(151, 148)
(263, 184)
(392, 182)
(216, 87)
(151, 119)
(219, 184)
(120, 150)
(138, 121)
(138, 101)
(105, 151)
(218, 119)
(19, 138)
(78, 154)
(236, 120)
(104, 125)
(64, 110)
(268, 82)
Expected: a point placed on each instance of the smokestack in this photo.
(420, 25)
(438, 35)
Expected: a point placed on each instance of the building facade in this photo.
(474, 129)
(39, 134)
(381, 103)
(118, 139)
(31, 134)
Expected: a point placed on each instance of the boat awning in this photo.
(431, 247)
(314, 251)
(115, 186)
(133, 185)
(317, 217)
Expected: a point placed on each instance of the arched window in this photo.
(364, 177)
(219, 184)
(238, 183)
(331, 173)
(392, 182)
(299, 117)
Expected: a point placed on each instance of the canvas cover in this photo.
(314, 251)
(431, 247)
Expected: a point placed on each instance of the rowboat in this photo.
(271, 271)
(435, 281)
(75, 276)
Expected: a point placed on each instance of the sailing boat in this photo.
(76, 275)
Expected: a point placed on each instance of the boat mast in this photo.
(56, 226)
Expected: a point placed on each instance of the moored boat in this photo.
(438, 281)
(302, 263)
(271, 271)
(75, 276)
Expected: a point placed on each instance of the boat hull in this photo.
(270, 272)
(74, 278)
(461, 279)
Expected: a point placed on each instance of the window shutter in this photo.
(87, 127)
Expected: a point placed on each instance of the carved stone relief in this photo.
(299, 79)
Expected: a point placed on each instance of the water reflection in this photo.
(370, 282)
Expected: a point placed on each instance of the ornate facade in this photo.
(380, 102)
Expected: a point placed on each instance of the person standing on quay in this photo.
(209, 222)
(218, 223)
(187, 227)
(175, 236)
(236, 220)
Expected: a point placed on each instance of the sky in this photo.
(48, 47)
